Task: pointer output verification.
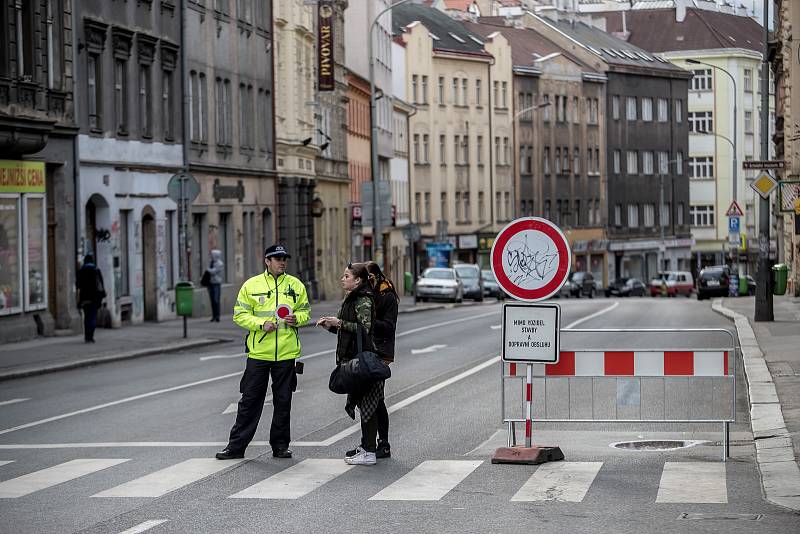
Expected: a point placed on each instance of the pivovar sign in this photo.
(531, 259)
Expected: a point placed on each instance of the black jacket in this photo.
(385, 324)
(90, 280)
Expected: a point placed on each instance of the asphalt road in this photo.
(128, 447)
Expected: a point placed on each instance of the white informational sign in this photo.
(531, 333)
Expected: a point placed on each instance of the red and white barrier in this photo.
(632, 363)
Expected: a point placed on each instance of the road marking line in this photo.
(142, 527)
(169, 479)
(222, 356)
(12, 401)
(426, 350)
(429, 481)
(402, 404)
(116, 402)
(4, 462)
(693, 482)
(573, 324)
(496, 326)
(560, 481)
(296, 481)
(51, 476)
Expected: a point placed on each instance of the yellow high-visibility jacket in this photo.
(256, 303)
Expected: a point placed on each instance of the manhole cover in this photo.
(655, 444)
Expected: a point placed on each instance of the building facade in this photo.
(359, 164)
(38, 229)
(128, 83)
(461, 134)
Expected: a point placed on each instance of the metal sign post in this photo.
(531, 260)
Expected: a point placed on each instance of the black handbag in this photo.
(358, 374)
(205, 281)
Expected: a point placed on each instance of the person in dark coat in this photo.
(357, 310)
(90, 295)
(384, 329)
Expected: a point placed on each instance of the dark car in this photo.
(626, 287)
(490, 286)
(470, 275)
(581, 283)
(713, 282)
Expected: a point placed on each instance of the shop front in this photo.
(638, 258)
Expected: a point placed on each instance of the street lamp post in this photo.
(377, 233)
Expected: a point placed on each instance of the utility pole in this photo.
(763, 310)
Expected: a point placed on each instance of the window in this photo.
(615, 107)
(663, 162)
(663, 109)
(506, 152)
(748, 122)
(121, 95)
(455, 91)
(418, 206)
(664, 218)
(456, 150)
(197, 102)
(479, 150)
(679, 163)
(464, 91)
(649, 215)
(425, 149)
(424, 89)
(167, 105)
(647, 162)
(458, 207)
(633, 215)
(748, 80)
(442, 150)
(576, 115)
(647, 109)
(415, 88)
(576, 221)
(576, 161)
(701, 121)
(701, 167)
(440, 92)
(465, 197)
(545, 108)
(558, 160)
(617, 161)
(589, 161)
(504, 94)
(94, 92)
(465, 150)
(245, 117)
(679, 111)
(701, 80)
(169, 232)
(565, 157)
(224, 106)
(631, 109)
(702, 215)
(427, 207)
(445, 215)
(547, 209)
(481, 207)
(546, 161)
(264, 137)
(416, 149)
(633, 162)
(593, 104)
(478, 101)
(617, 214)
(680, 213)
(145, 100)
(507, 205)
(124, 287)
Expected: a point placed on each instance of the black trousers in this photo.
(369, 431)
(382, 415)
(253, 388)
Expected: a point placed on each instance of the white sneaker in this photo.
(361, 457)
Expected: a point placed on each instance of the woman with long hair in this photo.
(357, 310)
(385, 325)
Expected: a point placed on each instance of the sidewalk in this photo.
(771, 355)
(50, 354)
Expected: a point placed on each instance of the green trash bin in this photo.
(408, 282)
(184, 296)
(780, 275)
(743, 288)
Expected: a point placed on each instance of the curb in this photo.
(44, 369)
(780, 474)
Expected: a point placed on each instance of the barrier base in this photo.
(527, 455)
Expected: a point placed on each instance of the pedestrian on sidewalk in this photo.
(357, 310)
(270, 306)
(90, 294)
(216, 272)
(385, 326)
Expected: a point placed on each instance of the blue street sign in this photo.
(733, 225)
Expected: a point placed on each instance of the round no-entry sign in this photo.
(531, 259)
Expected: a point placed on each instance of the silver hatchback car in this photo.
(439, 283)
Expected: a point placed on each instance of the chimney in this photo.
(680, 10)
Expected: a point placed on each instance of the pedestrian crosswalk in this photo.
(431, 480)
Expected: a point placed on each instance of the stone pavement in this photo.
(49, 354)
(771, 355)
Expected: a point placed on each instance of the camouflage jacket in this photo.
(357, 309)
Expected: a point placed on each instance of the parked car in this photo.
(579, 283)
(439, 283)
(657, 282)
(713, 282)
(680, 283)
(470, 275)
(626, 287)
(490, 286)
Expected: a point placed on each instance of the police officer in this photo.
(273, 345)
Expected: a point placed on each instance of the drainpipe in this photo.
(76, 172)
(489, 89)
(183, 210)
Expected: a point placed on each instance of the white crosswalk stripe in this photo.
(51, 476)
(145, 526)
(429, 481)
(169, 479)
(296, 481)
(559, 481)
(693, 482)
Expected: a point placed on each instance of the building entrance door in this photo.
(149, 266)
